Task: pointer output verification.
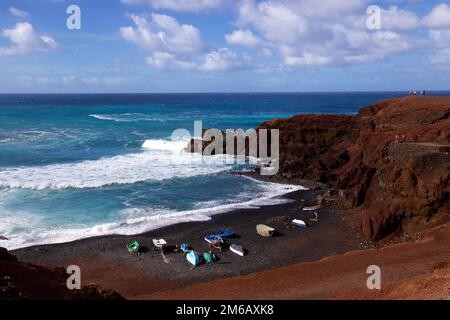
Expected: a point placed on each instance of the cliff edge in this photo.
(24, 281)
(390, 162)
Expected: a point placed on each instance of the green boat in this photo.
(133, 247)
(209, 257)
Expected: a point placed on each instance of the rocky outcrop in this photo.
(313, 146)
(394, 186)
(23, 281)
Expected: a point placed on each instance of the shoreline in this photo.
(203, 214)
(105, 261)
(324, 261)
(410, 270)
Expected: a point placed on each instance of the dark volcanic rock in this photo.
(312, 146)
(394, 186)
(19, 281)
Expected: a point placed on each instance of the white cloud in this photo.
(397, 19)
(170, 44)
(102, 81)
(18, 13)
(68, 79)
(440, 38)
(439, 35)
(165, 60)
(36, 81)
(243, 38)
(265, 52)
(307, 59)
(163, 33)
(180, 5)
(298, 33)
(441, 59)
(439, 17)
(275, 20)
(323, 32)
(221, 59)
(176, 46)
(24, 40)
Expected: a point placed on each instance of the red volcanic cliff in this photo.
(394, 186)
(23, 281)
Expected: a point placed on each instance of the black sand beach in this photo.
(106, 262)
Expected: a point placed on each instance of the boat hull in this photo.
(239, 250)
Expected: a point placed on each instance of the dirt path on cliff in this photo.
(414, 270)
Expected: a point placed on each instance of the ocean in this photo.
(78, 166)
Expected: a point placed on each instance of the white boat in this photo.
(237, 249)
(314, 208)
(159, 243)
(299, 223)
(264, 230)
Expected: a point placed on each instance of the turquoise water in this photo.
(75, 166)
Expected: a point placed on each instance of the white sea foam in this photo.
(149, 165)
(145, 219)
(165, 145)
(159, 160)
(132, 117)
(36, 136)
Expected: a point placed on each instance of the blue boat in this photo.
(299, 223)
(184, 247)
(212, 239)
(193, 258)
(225, 233)
(219, 236)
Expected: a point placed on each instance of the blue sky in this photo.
(223, 46)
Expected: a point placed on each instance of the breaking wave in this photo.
(159, 160)
(145, 219)
(132, 117)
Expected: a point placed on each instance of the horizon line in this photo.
(217, 92)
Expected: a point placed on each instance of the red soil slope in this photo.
(419, 270)
(20, 281)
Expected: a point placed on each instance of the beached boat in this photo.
(264, 230)
(215, 242)
(299, 223)
(314, 208)
(184, 247)
(224, 234)
(219, 236)
(193, 258)
(159, 243)
(237, 249)
(212, 239)
(133, 247)
(209, 257)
